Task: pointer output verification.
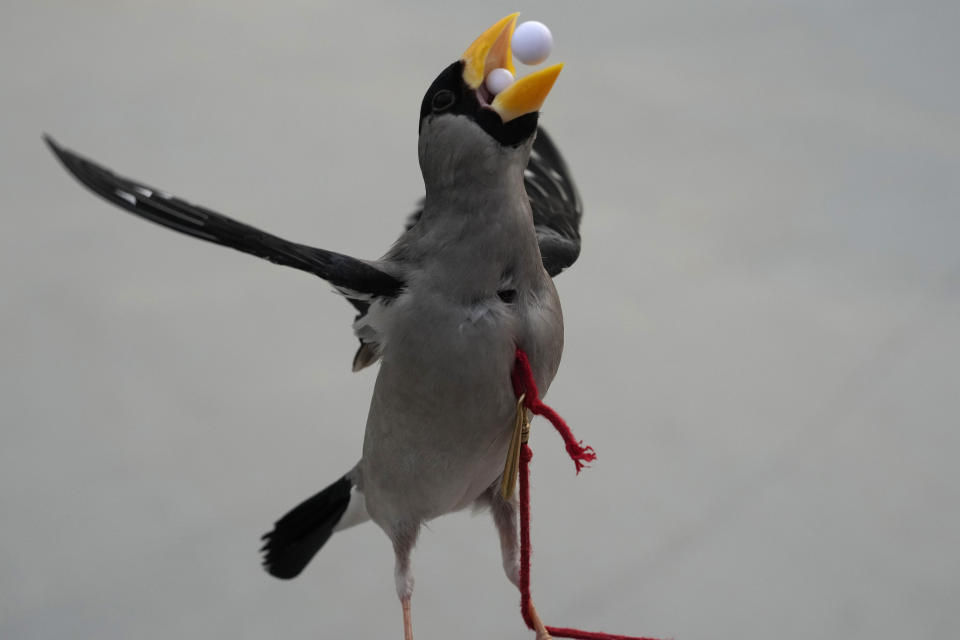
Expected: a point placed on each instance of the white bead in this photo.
(498, 80)
(532, 42)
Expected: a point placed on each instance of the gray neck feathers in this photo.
(476, 233)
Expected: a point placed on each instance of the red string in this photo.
(523, 382)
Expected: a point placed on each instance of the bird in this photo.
(468, 282)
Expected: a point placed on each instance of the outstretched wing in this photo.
(359, 281)
(556, 205)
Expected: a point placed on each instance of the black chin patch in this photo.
(450, 81)
(510, 134)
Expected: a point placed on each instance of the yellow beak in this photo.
(527, 94)
(491, 51)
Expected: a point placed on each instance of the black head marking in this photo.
(450, 94)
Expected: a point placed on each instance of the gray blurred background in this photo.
(762, 332)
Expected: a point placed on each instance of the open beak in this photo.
(491, 51)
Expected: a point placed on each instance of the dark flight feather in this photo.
(357, 280)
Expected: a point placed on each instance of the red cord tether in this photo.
(523, 383)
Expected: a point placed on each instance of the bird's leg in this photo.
(407, 620)
(505, 518)
(538, 626)
(404, 538)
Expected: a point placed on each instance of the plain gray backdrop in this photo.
(762, 332)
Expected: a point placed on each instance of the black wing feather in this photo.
(556, 205)
(357, 277)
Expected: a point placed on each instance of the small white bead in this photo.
(532, 42)
(498, 80)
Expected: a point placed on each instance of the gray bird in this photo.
(443, 311)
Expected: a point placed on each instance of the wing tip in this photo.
(52, 144)
(67, 158)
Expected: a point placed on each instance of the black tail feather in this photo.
(297, 536)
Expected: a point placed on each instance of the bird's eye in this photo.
(507, 295)
(443, 100)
